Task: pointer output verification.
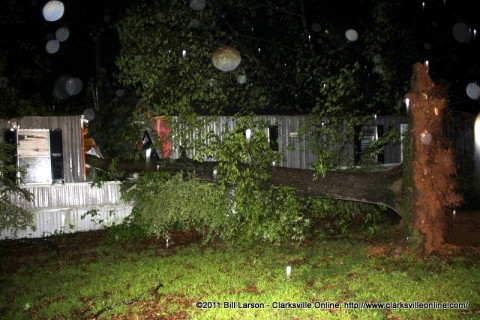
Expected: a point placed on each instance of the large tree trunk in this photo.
(434, 172)
(378, 187)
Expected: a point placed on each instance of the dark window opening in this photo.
(273, 137)
(364, 136)
(56, 155)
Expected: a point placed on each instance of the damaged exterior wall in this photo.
(58, 208)
(64, 207)
(72, 140)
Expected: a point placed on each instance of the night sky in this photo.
(34, 71)
(28, 33)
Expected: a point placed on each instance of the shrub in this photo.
(183, 203)
(12, 217)
(272, 215)
(164, 203)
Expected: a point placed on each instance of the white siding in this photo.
(59, 208)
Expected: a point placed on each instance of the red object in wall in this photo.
(163, 132)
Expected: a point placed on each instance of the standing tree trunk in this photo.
(434, 172)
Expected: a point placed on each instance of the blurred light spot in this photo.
(226, 58)
(248, 134)
(52, 46)
(67, 86)
(197, 4)
(316, 27)
(53, 10)
(59, 89)
(120, 92)
(89, 114)
(194, 24)
(461, 32)
(473, 91)
(242, 78)
(351, 34)
(426, 137)
(74, 86)
(62, 34)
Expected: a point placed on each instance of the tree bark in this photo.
(377, 187)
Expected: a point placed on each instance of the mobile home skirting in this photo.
(63, 208)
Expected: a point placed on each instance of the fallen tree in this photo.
(381, 188)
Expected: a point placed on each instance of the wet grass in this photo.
(149, 281)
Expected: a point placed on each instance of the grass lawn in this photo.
(191, 281)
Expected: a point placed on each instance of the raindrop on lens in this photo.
(351, 34)
(426, 138)
(195, 23)
(316, 27)
(53, 10)
(89, 114)
(226, 58)
(52, 46)
(120, 92)
(197, 4)
(242, 78)
(461, 32)
(59, 89)
(73, 86)
(473, 91)
(62, 34)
